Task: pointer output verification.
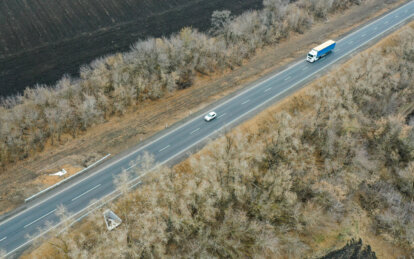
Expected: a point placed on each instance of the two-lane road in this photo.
(15, 232)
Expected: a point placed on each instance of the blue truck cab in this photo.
(320, 51)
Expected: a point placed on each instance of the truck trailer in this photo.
(320, 51)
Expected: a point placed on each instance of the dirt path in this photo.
(21, 180)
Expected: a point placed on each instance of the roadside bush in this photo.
(111, 84)
(220, 21)
(405, 181)
(278, 192)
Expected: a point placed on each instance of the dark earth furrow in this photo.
(42, 40)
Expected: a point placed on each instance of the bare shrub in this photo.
(220, 21)
(405, 180)
(111, 84)
(304, 175)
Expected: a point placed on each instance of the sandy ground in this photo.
(25, 178)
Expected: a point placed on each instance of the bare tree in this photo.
(219, 22)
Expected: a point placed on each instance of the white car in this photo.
(210, 116)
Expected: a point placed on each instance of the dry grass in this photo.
(118, 133)
(47, 179)
(298, 180)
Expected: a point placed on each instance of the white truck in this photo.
(320, 51)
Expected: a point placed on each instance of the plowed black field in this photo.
(40, 40)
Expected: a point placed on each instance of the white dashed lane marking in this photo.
(164, 148)
(86, 192)
(39, 218)
(194, 131)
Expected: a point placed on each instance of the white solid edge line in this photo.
(135, 184)
(168, 133)
(149, 143)
(271, 99)
(47, 214)
(4, 238)
(66, 179)
(194, 131)
(60, 223)
(255, 86)
(29, 241)
(377, 20)
(77, 197)
(255, 108)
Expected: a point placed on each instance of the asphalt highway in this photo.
(20, 230)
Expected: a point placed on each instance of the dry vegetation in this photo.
(296, 184)
(109, 85)
(42, 40)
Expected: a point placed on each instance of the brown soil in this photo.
(40, 41)
(47, 178)
(333, 235)
(25, 178)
